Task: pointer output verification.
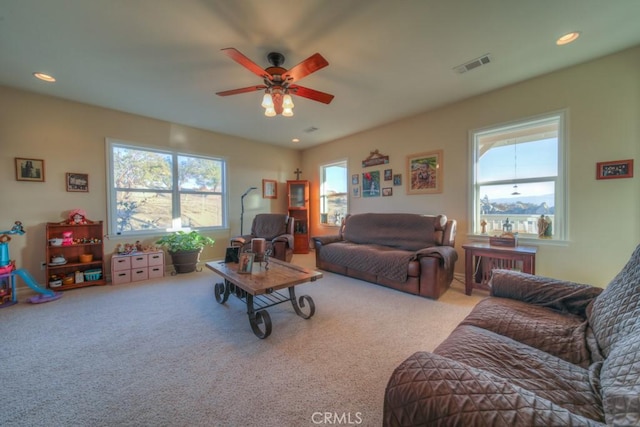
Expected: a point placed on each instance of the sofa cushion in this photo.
(269, 226)
(396, 230)
(374, 259)
(429, 389)
(620, 381)
(616, 309)
(554, 332)
(546, 376)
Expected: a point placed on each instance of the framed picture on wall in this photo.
(615, 169)
(29, 169)
(424, 171)
(78, 182)
(269, 189)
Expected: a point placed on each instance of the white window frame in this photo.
(176, 213)
(560, 220)
(322, 198)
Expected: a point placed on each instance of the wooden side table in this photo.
(481, 258)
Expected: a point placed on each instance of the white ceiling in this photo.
(387, 59)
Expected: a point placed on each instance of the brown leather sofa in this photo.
(409, 252)
(276, 229)
(537, 352)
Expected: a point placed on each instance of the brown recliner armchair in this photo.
(276, 229)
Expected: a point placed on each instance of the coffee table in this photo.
(260, 289)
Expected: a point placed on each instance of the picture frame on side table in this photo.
(269, 189)
(78, 182)
(615, 169)
(245, 262)
(424, 172)
(29, 169)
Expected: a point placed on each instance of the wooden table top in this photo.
(261, 281)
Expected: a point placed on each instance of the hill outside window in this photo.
(153, 190)
(518, 174)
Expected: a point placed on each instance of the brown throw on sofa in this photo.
(537, 352)
(408, 252)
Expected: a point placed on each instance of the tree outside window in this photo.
(334, 200)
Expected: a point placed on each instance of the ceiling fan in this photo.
(280, 83)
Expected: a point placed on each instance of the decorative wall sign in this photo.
(78, 182)
(615, 169)
(371, 184)
(269, 189)
(424, 171)
(29, 169)
(375, 158)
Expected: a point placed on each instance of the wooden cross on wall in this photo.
(297, 172)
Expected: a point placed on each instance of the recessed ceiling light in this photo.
(44, 77)
(568, 38)
(295, 140)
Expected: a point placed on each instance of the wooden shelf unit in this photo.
(298, 209)
(91, 236)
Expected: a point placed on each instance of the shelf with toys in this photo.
(75, 252)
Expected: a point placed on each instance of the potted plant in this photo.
(185, 248)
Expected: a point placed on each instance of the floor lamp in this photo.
(242, 210)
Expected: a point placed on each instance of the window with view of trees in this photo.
(333, 193)
(518, 175)
(152, 190)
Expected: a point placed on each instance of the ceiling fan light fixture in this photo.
(270, 112)
(267, 100)
(287, 102)
(287, 112)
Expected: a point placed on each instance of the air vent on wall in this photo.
(474, 63)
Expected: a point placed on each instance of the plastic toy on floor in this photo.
(8, 273)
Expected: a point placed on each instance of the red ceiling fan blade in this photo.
(241, 90)
(306, 67)
(312, 94)
(246, 62)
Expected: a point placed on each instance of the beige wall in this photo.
(70, 137)
(603, 101)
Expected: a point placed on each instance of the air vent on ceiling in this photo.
(311, 129)
(474, 63)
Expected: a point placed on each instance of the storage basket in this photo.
(90, 275)
(86, 257)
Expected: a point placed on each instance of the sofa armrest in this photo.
(447, 255)
(429, 389)
(239, 240)
(325, 240)
(287, 239)
(543, 291)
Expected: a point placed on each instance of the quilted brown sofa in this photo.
(408, 252)
(537, 352)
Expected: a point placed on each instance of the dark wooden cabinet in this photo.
(298, 208)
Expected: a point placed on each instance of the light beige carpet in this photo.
(165, 353)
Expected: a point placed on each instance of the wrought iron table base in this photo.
(259, 318)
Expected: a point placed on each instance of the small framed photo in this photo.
(245, 262)
(269, 189)
(29, 169)
(397, 179)
(355, 179)
(78, 182)
(387, 191)
(232, 254)
(615, 169)
(424, 172)
(388, 174)
(355, 191)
